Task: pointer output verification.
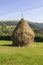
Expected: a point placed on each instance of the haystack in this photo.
(22, 35)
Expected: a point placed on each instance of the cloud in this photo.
(11, 16)
(35, 15)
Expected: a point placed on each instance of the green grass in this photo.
(10, 55)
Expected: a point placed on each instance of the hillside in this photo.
(15, 22)
(7, 27)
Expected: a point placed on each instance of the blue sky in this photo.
(12, 9)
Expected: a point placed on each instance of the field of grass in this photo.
(10, 55)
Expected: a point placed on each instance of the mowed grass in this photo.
(10, 55)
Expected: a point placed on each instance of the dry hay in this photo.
(23, 35)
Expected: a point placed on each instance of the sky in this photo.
(12, 10)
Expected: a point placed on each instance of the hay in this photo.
(22, 35)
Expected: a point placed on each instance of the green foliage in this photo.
(6, 30)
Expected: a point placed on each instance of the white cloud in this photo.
(35, 15)
(11, 16)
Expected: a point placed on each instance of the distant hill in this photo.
(15, 22)
(38, 25)
(9, 23)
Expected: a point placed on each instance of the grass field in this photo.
(10, 55)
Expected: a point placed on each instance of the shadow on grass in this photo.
(9, 45)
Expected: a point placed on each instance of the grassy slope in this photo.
(20, 56)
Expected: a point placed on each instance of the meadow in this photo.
(10, 55)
